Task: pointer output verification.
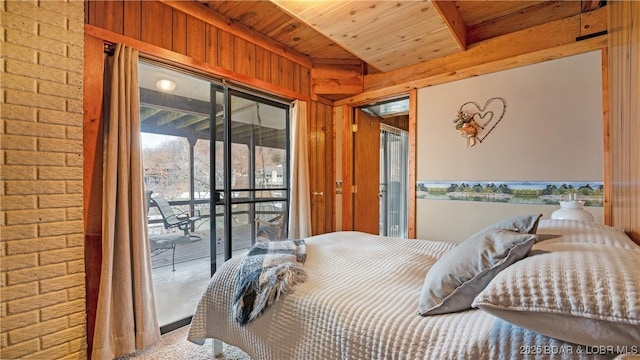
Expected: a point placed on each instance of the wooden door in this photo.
(366, 173)
(321, 168)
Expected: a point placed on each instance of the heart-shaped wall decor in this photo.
(486, 116)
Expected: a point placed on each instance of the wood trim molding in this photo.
(413, 163)
(606, 123)
(347, 168)
(180, 60)
(222, 22)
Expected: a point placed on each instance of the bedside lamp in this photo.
(572, 210)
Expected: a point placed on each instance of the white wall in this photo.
(551, 131)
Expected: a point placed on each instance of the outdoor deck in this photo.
(201, 249)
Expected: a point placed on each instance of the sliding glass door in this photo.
(218, 156)
(394, 164)
(254, 191)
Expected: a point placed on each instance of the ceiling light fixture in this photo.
(165, 85)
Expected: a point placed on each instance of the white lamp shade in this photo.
(572, 210)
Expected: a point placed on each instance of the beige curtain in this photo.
(125, 319)
(624, 113)
(299, 201)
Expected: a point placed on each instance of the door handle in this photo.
(318, 193)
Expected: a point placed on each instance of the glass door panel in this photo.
(216, 155)
(258, 184)
(176, 145)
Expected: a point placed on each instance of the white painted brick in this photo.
(75, 213)
(35, 71)
(41, 120)
(32, 11)
(36, 100)
(36, 216)
(74, 132)
(27, 246)
(60, 90)
(79, 292)
(17, 157)
(70, 255)
(59, 173)
(18, 172)
(19, 320)
(60, 62)
(19, 52)
(18, 142)
(63, 309)
(17, 262)
(18, 232)
(61, 283)
(59, 201)
(75, 266)
(74, 187)
(18, 202)
(19, 291)
(19, 350)
(36, 273)
(35, 187)
(17, 22)
(19, 82)
(37, 130)
(60, 228)
(60, 145)
(37, 330)
(59, 117)
(56, 352)
(14, 36)
(17, 112)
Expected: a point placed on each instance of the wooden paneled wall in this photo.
(165, 33)
(164, 26)
(322, 167)
(233, 53)
(624, 115)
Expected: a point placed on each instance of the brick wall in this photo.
(42, 299)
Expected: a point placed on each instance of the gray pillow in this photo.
(461, 273)
(525, 224)
(582, 287)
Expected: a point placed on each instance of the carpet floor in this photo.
(174, 345)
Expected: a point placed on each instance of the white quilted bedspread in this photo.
(361, 302)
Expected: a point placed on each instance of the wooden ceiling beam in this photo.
(529, 46)
(336, 80)
(188, 120)
(452, 17)
(147, 111)
(167, 117)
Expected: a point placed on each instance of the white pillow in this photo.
(573, 288)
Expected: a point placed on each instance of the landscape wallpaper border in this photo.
(515, 192)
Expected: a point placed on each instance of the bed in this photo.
(571, 292)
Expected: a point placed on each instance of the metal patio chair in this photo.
(160, 243)
(182, 220)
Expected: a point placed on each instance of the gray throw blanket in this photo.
(268, 270)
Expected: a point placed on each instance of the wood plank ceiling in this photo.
(372, 37)
(388, 35)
